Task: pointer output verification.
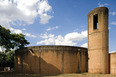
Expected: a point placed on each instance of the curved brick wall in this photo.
(51, 59)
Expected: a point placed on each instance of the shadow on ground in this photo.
(14, 74)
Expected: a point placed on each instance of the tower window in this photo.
(95, 21)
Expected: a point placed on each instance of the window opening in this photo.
(95, 21)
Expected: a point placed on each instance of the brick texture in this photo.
(51, 60)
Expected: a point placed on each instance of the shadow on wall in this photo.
(29, 62)
(46, 68)
(51, 60)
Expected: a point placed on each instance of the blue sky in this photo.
(54, 22)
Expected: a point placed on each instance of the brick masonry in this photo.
(98, 40)
(51, 60)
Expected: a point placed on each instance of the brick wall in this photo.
(98, 44)
(113, 63)
(51, 60)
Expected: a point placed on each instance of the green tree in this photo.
(2, 60)
(10, 41)
(19, 41)
(5, 38)
(10, 59)
(7, 59)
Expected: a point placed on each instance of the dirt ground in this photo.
(13, 74)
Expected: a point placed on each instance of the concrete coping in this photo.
(51, 48)
(112, 52)
(97, 9)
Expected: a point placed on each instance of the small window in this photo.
(95, 21)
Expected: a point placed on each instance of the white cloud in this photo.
(18, 31)
(101, 5)
(76, 36)
(113, 13)
(113, 23)
(44, 18)
(43, 7)
(51, 28)
(45, 36)
(50, 39)
(84, 45)
(68, 39)
(29, 35)
(21, 12)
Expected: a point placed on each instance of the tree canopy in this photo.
(7, 59)
(10, 40)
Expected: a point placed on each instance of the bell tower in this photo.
(98, 40)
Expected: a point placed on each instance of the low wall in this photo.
(113, 63)
(51, 60)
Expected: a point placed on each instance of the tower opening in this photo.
(95, 21)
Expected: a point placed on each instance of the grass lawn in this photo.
(13, 74)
